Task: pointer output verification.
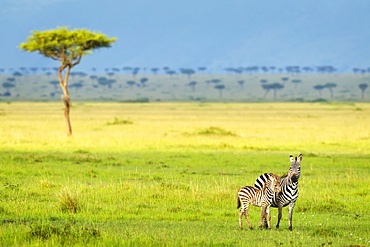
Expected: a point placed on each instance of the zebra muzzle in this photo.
(295, 178)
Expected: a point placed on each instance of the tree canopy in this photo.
(64, 45)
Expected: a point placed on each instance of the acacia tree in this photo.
(319, 88)
(187, 72)
(192, 84)
(8, 86)
(272, 86)
(363, 87)
(67, 47)
(220, 87)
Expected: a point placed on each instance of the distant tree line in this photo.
(108, 80)
(324, 69)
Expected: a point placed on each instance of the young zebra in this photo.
(258, 197)
(289, 189)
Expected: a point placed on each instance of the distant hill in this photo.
(183, 88)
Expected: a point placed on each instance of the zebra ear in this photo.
(272, 177)
(300, 157)
(291, 158)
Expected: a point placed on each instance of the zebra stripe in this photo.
(289, 189)
(258, 197)
(261, 180)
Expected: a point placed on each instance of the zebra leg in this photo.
(265, 225)
(268, 217)
(280, 214)
(291, 207)
(241, 218)
(244, 211)
(263, 216)
(247, 217)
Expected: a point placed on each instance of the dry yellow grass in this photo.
(104, 127)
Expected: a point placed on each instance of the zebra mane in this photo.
(285, 175)
(264, 187)
(265, 184)
(267, 181)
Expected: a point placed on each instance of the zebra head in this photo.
(295, 168)
(274, 185)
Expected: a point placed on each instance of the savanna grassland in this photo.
(166, 174)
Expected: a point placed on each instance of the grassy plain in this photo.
(166, 174)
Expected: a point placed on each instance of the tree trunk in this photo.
(220, 93)
(331, 92)
(66, 115)
(65, 97)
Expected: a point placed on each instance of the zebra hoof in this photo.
(290, 228)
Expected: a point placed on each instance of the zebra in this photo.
(289, 189)
(258, 197)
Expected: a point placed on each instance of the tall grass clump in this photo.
(69, 201)
(117, 121)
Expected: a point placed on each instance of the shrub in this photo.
(216, 131)
(116, 121)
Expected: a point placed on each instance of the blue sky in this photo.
(192, 33)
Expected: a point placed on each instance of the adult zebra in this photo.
(260, 198)
(289, 189)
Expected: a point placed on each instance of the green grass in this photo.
(167, 174)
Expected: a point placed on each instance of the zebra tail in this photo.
(239, 204)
